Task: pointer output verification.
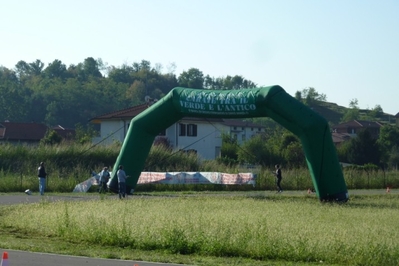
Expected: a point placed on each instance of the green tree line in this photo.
(57, 94)
(279, 146)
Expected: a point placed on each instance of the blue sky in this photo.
(345, 49)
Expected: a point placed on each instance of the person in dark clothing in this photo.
(278, 175)
(42, 174)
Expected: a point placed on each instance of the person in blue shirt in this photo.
(121, 181)
(104, 177)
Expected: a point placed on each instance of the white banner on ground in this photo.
(197, 178)
(85, 185)
(180, 178)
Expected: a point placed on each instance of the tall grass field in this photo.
(208, 225)
(69, 165)
(259, 227)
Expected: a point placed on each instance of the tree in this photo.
(227, 83)
(389, 137)
(84, 134)
(292, 150)
(23, 71)
(91, 68)
(52, 113)
(12, 96)
(354, 104)
(136, 93)
(310, 95)
(393, 160)
(56, 69)
(122, 74)
(143, 65)
(229, 148)
(298, 96)
(388, 142)
(26, 71)
(36, 67)
(12, 102)
(352, 113)
(256, 151)
(376, 112)
(61, 95)
(363, 149)
(51, 138)
(343, 151)
(193, 78)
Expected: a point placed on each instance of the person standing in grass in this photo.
(104, 177)
(279, 177)
(121, 181)
(42, 174)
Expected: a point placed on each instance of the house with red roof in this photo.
(345, 131)
(353, 127)
(29, 133)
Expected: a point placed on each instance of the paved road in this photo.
(23, 198)
(8, 199)
(16, 257)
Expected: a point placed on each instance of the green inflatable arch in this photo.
(273, 102)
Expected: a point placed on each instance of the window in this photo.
(188, 130)
(191, 130)
(182, 129)
(243, 138)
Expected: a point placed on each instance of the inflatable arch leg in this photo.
(311, 128)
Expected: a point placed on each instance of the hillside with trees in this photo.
(57, 94)
(68, 95)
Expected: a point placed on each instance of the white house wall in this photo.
(247, 132)
(205, 143)
(112, 131)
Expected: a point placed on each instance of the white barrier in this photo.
(180, 178)
(197, 178)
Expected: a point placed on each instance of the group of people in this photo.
(104, 178)
(121, 175)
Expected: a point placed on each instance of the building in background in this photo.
(30, 133)
(200, 135)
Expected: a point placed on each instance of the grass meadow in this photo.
(256, 228)
(69, 165)
(197, 224)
